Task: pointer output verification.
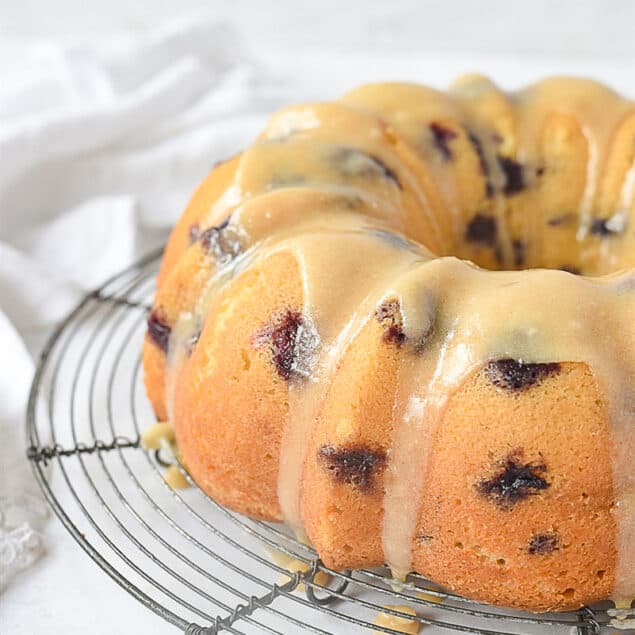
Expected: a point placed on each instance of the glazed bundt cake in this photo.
(404, 324)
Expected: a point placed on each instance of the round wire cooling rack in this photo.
(198, 565)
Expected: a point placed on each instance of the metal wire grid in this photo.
(196, 564)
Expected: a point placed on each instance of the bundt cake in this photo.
(404, 323)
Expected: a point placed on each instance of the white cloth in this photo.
(21, 509)
(100, 148)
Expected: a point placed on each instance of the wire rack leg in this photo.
(588, 625)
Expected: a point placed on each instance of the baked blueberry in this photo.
(158, 329)
(356, 465)
(514, 481)
(388, 314)
(513, 374)
(482, 229)
(442, 137)
(293, 340)
(514, 175)
(543, 544)
(222, 241)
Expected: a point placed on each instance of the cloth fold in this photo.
(100, 148)
(22, 510)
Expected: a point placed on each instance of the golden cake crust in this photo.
(522, 496)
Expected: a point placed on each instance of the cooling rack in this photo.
(199, 566)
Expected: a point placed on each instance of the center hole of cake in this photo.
(493, 247)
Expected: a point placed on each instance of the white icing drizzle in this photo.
(627, 195)
(365, 263)
(178, 345)
(586, 204)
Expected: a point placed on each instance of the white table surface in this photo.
(515, 42)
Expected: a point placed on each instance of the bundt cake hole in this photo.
(483, 231)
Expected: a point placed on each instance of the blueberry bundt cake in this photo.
(404, 323)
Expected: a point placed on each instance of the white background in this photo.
(496, 37)
(333, 44)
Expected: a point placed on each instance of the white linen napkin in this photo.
(100, 149)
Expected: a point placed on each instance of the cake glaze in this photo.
(320, 335)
